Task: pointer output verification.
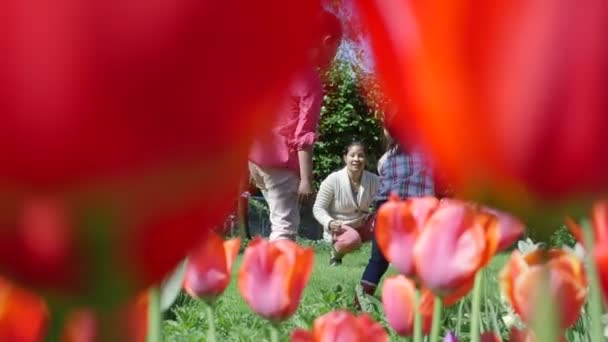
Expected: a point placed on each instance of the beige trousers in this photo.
(280, 190)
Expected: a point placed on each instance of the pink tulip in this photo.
(342, 326)
(459, 239)
(398, 224)
(209, 266)
(81, 326)
(522, 277)
(398, 294)
(599, 222)
(273, 276)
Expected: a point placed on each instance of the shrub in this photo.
(345, 117)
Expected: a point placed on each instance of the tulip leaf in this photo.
(171, 286)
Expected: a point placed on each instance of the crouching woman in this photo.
(343, 203)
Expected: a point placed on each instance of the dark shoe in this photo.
(362, 290)
(335, 262)
(368, 289)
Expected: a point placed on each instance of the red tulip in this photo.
(23, 315)
(342, 326)
(209, 267)
(273, 276)
(521, 280)
(126, 127)
(398, 295)
(508, 96)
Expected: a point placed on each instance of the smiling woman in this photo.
(343, 203)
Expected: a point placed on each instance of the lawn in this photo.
(330, 287)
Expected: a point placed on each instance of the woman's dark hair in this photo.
(354, 143)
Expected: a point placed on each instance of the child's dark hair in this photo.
(390, 143)
(354, 143)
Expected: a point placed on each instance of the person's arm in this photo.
(305, 159)
(310, 98)
(320, 209)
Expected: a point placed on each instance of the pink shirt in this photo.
(295, 127)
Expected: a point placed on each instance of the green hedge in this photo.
(345, 117)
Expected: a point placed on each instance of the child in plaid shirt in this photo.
(407, 173)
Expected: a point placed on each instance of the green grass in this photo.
(329, 288)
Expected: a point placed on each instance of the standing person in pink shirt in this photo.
(281, 164)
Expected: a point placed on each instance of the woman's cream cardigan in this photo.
(335, 199)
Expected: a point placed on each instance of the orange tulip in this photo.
(398, 224)
(342, 326)
(23, 315)
(398, 300)
(273, 276)
(599, 221)
(209, 267)
(522, 277)
(509, 96)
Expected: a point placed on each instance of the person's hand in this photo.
(335, 226)
(305, 191)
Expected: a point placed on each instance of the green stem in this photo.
(545, 321)
(417, 317)
(459, 318)
(274, 333)
(476, 307)
(154, 319)
(436, 319)
(595, 296)
(58, 312)
(211, 335)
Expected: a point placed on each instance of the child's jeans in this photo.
(377, 264)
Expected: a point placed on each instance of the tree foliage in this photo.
(347, 115)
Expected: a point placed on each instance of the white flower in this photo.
(577, 250)
(527, 246)
(509, 319)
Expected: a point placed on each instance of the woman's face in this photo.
(355, 158)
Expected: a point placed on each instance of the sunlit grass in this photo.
(330, 287)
